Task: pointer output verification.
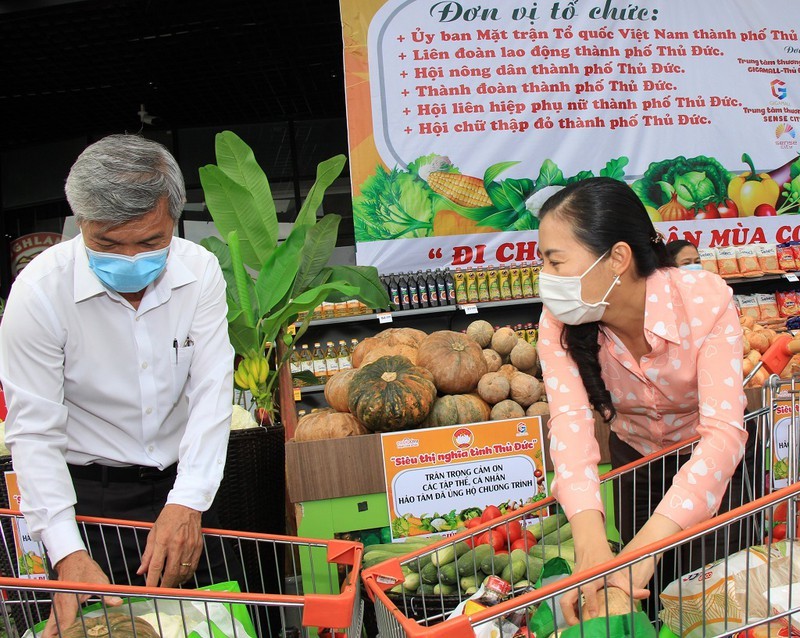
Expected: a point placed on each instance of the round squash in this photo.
(504, 340)
(389, 338)
(526, 389)
(119, 624)
(458, 409)
(362, 350)
(327, 424)
(507, 409)
(391, 394)
(481, 331)
(524, 356)
(493, 387)
(409, 352)
(508, 371)
(401, 336)
(337, 390)
(493, 360)
(455, 360)
(540, 408)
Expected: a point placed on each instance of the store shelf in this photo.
(397, 314)
(312, 389)
(768, 277)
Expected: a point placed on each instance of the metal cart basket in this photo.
(253, 608)
(749, 512)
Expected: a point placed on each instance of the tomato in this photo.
(537, 473)
(778, 532)
(496, 538)
(728, 209)
(497, 552)
(514, 531)
(709, 211)
(483, 539)
(531, 538)
(470, 541)
(520, 543)
(472, 522)
(490, 513)
(780, 512)
(765, 210)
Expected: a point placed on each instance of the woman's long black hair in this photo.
(603, 211)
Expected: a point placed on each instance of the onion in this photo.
(674, 211)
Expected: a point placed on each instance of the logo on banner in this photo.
(785, 135)
(463, 437)
(778, 89)
(407, 442)
(522, 429)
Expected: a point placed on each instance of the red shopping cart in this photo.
(255, 605)
(722, 540)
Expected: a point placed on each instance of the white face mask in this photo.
(692, 266)
(562, 297)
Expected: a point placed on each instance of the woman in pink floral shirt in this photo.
(656, 350)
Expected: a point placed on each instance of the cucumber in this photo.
(515, 570)
(546, 552)
(470, 581)
(522, 584)
(495, 563)
(449, 553)
(535, 566)
(375, 557)
(429, 574)
(445, 590)
(548, 525)
(559, 535)
(470, 590)
(470, 562)
(412, 581)
(425, 589)
(418, 563)
(448, 574)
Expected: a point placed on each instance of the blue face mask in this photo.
(128, 274)
(692, 267)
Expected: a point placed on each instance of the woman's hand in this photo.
(592, 549)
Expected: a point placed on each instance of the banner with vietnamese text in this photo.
(464, 117)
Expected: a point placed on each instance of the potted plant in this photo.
(293, 276)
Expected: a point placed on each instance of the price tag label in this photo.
(790, 276)
(297, 394)
(384, 317)
(469, 309)
(291, 329)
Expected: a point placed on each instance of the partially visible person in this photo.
(684, 254)
(657, 352)
(117, 368)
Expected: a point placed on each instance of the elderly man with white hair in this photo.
(117, 369)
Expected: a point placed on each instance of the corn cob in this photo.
(463, 190)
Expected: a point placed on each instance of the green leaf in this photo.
(232, 207)
(305, 377)
(499, 220)
(243, 280)
(581, 175)
(515, 194)
(549, 175)
(237, 161)
(370, 289)
(223, 254)
(278, 274)
(494, 171)
(244, 338)
(498, 196)
(615, 168)
(318, 248)
(526, 222)
(327, 172)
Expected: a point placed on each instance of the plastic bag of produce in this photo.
(549, 617)
(782, 599)
(167, 618)
(618, 626)
(726, 594)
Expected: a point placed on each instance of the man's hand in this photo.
(174, 546)
(76, 567)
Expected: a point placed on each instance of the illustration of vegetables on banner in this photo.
(432, 198)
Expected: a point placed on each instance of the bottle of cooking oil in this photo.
(343, 354)
(483, 285)
(331, 359)
(318, 356)
(294, 366)
(472, 286)
(306, 359)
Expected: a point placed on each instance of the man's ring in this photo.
(186, 564)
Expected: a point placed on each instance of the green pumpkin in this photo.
(391, 394)
(458, 409)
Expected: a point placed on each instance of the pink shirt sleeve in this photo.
(698, 487)
(573, 446)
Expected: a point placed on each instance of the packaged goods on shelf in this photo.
(786, 257)
(322, 362)
(768, 258)
(727, 264)
(787, 303)
(747, 260)
(767, 306)
(708, 259)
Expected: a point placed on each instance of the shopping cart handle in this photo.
(777, 356)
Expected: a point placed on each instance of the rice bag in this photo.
(747, 258)
(727, 594)
(708, 259)
(727, 263)
(768, 258)
(767, 305)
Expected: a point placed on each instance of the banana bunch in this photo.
(252, 375)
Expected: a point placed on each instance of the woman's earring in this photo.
(618, 282)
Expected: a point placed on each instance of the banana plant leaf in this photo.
(365, 278)
(278, 274)
(327, 172)
(317, 251)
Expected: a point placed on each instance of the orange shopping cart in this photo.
(727, 576)
(253, 604)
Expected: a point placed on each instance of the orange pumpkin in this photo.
(327, 424)
(337, 390)
(410, 337)
(456, 409)
(455, 360)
